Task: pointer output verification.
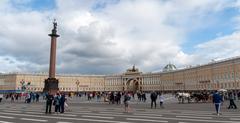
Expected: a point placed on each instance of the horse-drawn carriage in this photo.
(192, 97)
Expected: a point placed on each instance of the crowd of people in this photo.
(59, 100)
(15, 97)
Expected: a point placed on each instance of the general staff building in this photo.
(212, 76)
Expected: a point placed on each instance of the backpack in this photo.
(57, 100)
(153, 96)
(127, 98)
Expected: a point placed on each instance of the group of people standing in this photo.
(31, 97)
(154, 96)
(58, 100)
(115, 97)
(218, 100)
(142, 96)
(127, 97)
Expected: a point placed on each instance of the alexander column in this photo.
(51, 84)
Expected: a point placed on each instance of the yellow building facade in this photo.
(215, 75)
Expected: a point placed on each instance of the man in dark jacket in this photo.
(49, 99)
(232, 103)
(37, 97)
(217, 100)
(62, 102)
(153, 99)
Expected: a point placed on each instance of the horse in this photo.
(203, 97)
(183, 96)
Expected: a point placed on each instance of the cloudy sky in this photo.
(109, 36)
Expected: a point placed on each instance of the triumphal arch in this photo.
(132, 80)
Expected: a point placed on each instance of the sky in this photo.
(110, 36)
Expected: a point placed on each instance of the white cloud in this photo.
(107, 39)
(221, 47)
(22, 37)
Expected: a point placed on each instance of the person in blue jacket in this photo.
(217, 100)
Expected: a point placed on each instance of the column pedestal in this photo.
(51, 85)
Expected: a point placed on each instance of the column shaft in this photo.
(52, 67)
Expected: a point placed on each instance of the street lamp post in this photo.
(77, 83)
(28, 84)
(22, 85)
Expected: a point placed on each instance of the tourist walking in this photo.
(126, 101)
(144, 97)
(57, 102)
(111, 98)
(37, 97)
(16, 97)
(62, 103)
(12, 97)
(153, 97)
(49, 99)
(28, 98)
(1, 97)
(161, 98)
(118, 98)
(66, 106)
(217, 100)
(33, 96)
(231, 101)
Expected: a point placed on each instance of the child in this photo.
(161, 98)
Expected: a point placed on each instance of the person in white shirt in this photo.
(161, 98)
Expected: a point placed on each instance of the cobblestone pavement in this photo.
(93, 112)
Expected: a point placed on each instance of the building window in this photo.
(221, 85)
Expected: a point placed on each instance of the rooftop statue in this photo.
(54, 24)
(133, 69)
(54, 30)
